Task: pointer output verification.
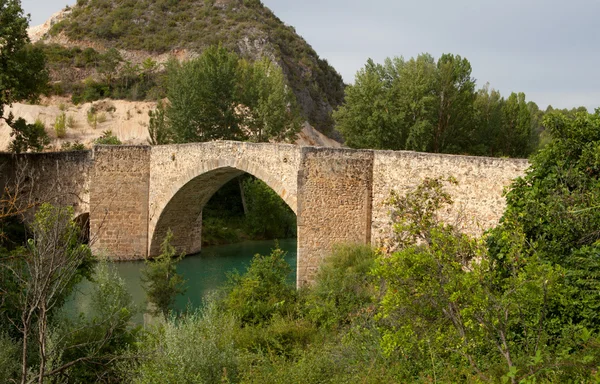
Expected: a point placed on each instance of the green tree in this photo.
(271, 112)
(162, 282)
(263, 291)
(28, 137)
(448, 309)
(489, 119)
(202, 97)
(268, 216)
(556, 207)
(415, 104)
(455, 96)
(516, 132)
(369, 118)
(22, 75)
(158, 126)
(217, 96)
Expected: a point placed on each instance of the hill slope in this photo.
(185, 27)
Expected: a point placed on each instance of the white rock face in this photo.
(37, 33)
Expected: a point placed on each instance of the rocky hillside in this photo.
(158, 29)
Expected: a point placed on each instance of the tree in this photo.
(556, 208)
(271, 112)
(455, 96)
(39, 277)
(369, 118)
(489, 120)
(22, 68)
(516, 132)
(162, 282)
(202, 97)
(28, 137)
(415, 104)
(445, 303)
(217, 96)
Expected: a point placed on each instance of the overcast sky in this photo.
(545, 48)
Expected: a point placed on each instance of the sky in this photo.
(544, 48)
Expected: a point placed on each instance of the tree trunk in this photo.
(243, 196)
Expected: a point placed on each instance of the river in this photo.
(204, 272)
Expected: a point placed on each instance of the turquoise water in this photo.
(204, 272)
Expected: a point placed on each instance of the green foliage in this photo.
(195, 349)
(28, 137)
(343, 286)
(162, 282)
(555, 208)
(158, 128)
(415, 104)
(263, 291)
(271, 107)
(9, 364)
(424, 105)
(98, 339)
(108, 138)
(268, 216)
(217, 96)
(446, 303)
(60, 125)
(23, 76)
(76, 146)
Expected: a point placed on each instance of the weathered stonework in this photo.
(184, 177)
(478, 196)
(119, 201)
(135, 194)
(59, 178)
(334, 204)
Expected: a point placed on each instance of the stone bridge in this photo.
(135, 194)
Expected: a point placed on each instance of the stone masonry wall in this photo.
(334, 204)
(183, 178)
(119, 201)
(478, 199)
(61, 178)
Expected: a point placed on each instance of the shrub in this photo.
(162, 282)
(343, 286)
(197, 348)
(262, 291)
(28, 137)
(108, 138)
(70, 122)
(60, 126)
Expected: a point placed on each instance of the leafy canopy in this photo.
(22, 74)
(217, 96)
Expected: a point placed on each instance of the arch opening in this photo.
(183, 213)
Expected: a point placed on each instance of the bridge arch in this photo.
(177, 203)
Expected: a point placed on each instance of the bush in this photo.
(197, 348)
(263, 291)
(9, 362)
(76, 146)
(60, 126)
(108, 138)
(343, 286)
